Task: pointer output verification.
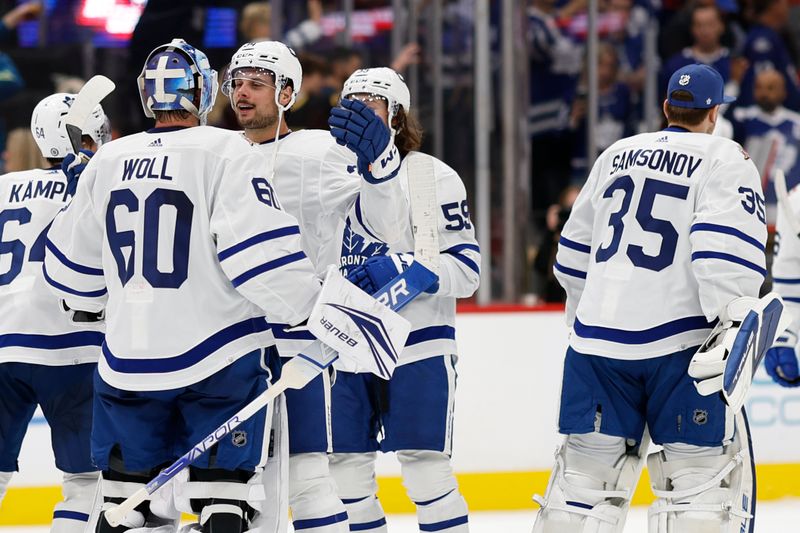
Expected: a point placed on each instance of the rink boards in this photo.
(509, 375)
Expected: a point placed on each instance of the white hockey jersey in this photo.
(33, 329)
(317, 182)
(786, 261)
(668, 229)
(432, 316)
(194, 251)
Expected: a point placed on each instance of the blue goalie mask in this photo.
(171, 77)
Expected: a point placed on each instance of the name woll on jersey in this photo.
(317, 182)
(33, 329)
(668, 229)
(179, 235)
(432, 316)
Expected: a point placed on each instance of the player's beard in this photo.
(259, 121)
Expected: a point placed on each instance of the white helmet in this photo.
(272, 56)
(380, 81)
(50, 133)
(98, 127)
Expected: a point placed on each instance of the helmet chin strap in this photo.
(281, 110)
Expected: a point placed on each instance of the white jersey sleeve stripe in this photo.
(266, 267)
(81, 269)
(455, 252)
(585, 248)
(75, 292)
(569, 271)
(705, 226)
(257, 239)
(189, 358)
(707, 254)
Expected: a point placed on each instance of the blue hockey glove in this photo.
(73, 165)
(379, 270)
(781, 361)
(357, 127)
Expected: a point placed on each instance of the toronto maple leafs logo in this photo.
(356, 249)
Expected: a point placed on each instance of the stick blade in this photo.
(90, 95)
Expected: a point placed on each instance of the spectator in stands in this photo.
(708, 26)
(679, 33)
(545, 284)
(555, 63)
(344, 61)
(615, 112)
(766, 49)
(629, 41)
(256, 25)
(21, 152)
(770, 133)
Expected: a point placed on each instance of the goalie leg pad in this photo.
(354, 474)
(72, 514)
(5, 479)
(590, 494)
(431, 485)
(702, 489)
(315, 504)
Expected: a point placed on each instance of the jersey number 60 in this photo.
(669, 236)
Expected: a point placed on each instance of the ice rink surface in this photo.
(773, 517)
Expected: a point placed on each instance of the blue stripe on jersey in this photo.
(68, 290)
(366, 526)
(266, 267)
(730, 258)
(279, 332)
(645, 336)
(563, 241)
(445, 524)
(191, 357)
(454, 252)
(361, 220)
(787, 281)
(569, 271)
(75, 339)
(791, 299)
(309, 523)
(716, 228)
(431, 333)
(82, 269)
(256, 239)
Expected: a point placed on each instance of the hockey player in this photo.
(666, 237)
(414, 410)
(317, 182)
(177, 233)
(46, 359)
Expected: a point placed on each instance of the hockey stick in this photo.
(396, 294)
(90, 95)
(783, 201)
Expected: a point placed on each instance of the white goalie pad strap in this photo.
(244, 492)
(120, 489)
(730, 356)
(368, 335)
(718, 467)
(219, 508)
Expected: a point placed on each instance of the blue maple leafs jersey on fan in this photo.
(33, 329)
(786, 262)
(194, 251)
(432, 316)
(317, 182)
(668, 229)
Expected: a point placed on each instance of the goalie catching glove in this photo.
(730, 356)
(357, 127)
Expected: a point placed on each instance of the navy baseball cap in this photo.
(701, 81)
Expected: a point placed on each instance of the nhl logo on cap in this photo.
(239, 438)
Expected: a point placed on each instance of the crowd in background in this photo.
(754, 44)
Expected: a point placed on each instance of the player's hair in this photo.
(685, 116)
(409, 132)
(173, 115)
